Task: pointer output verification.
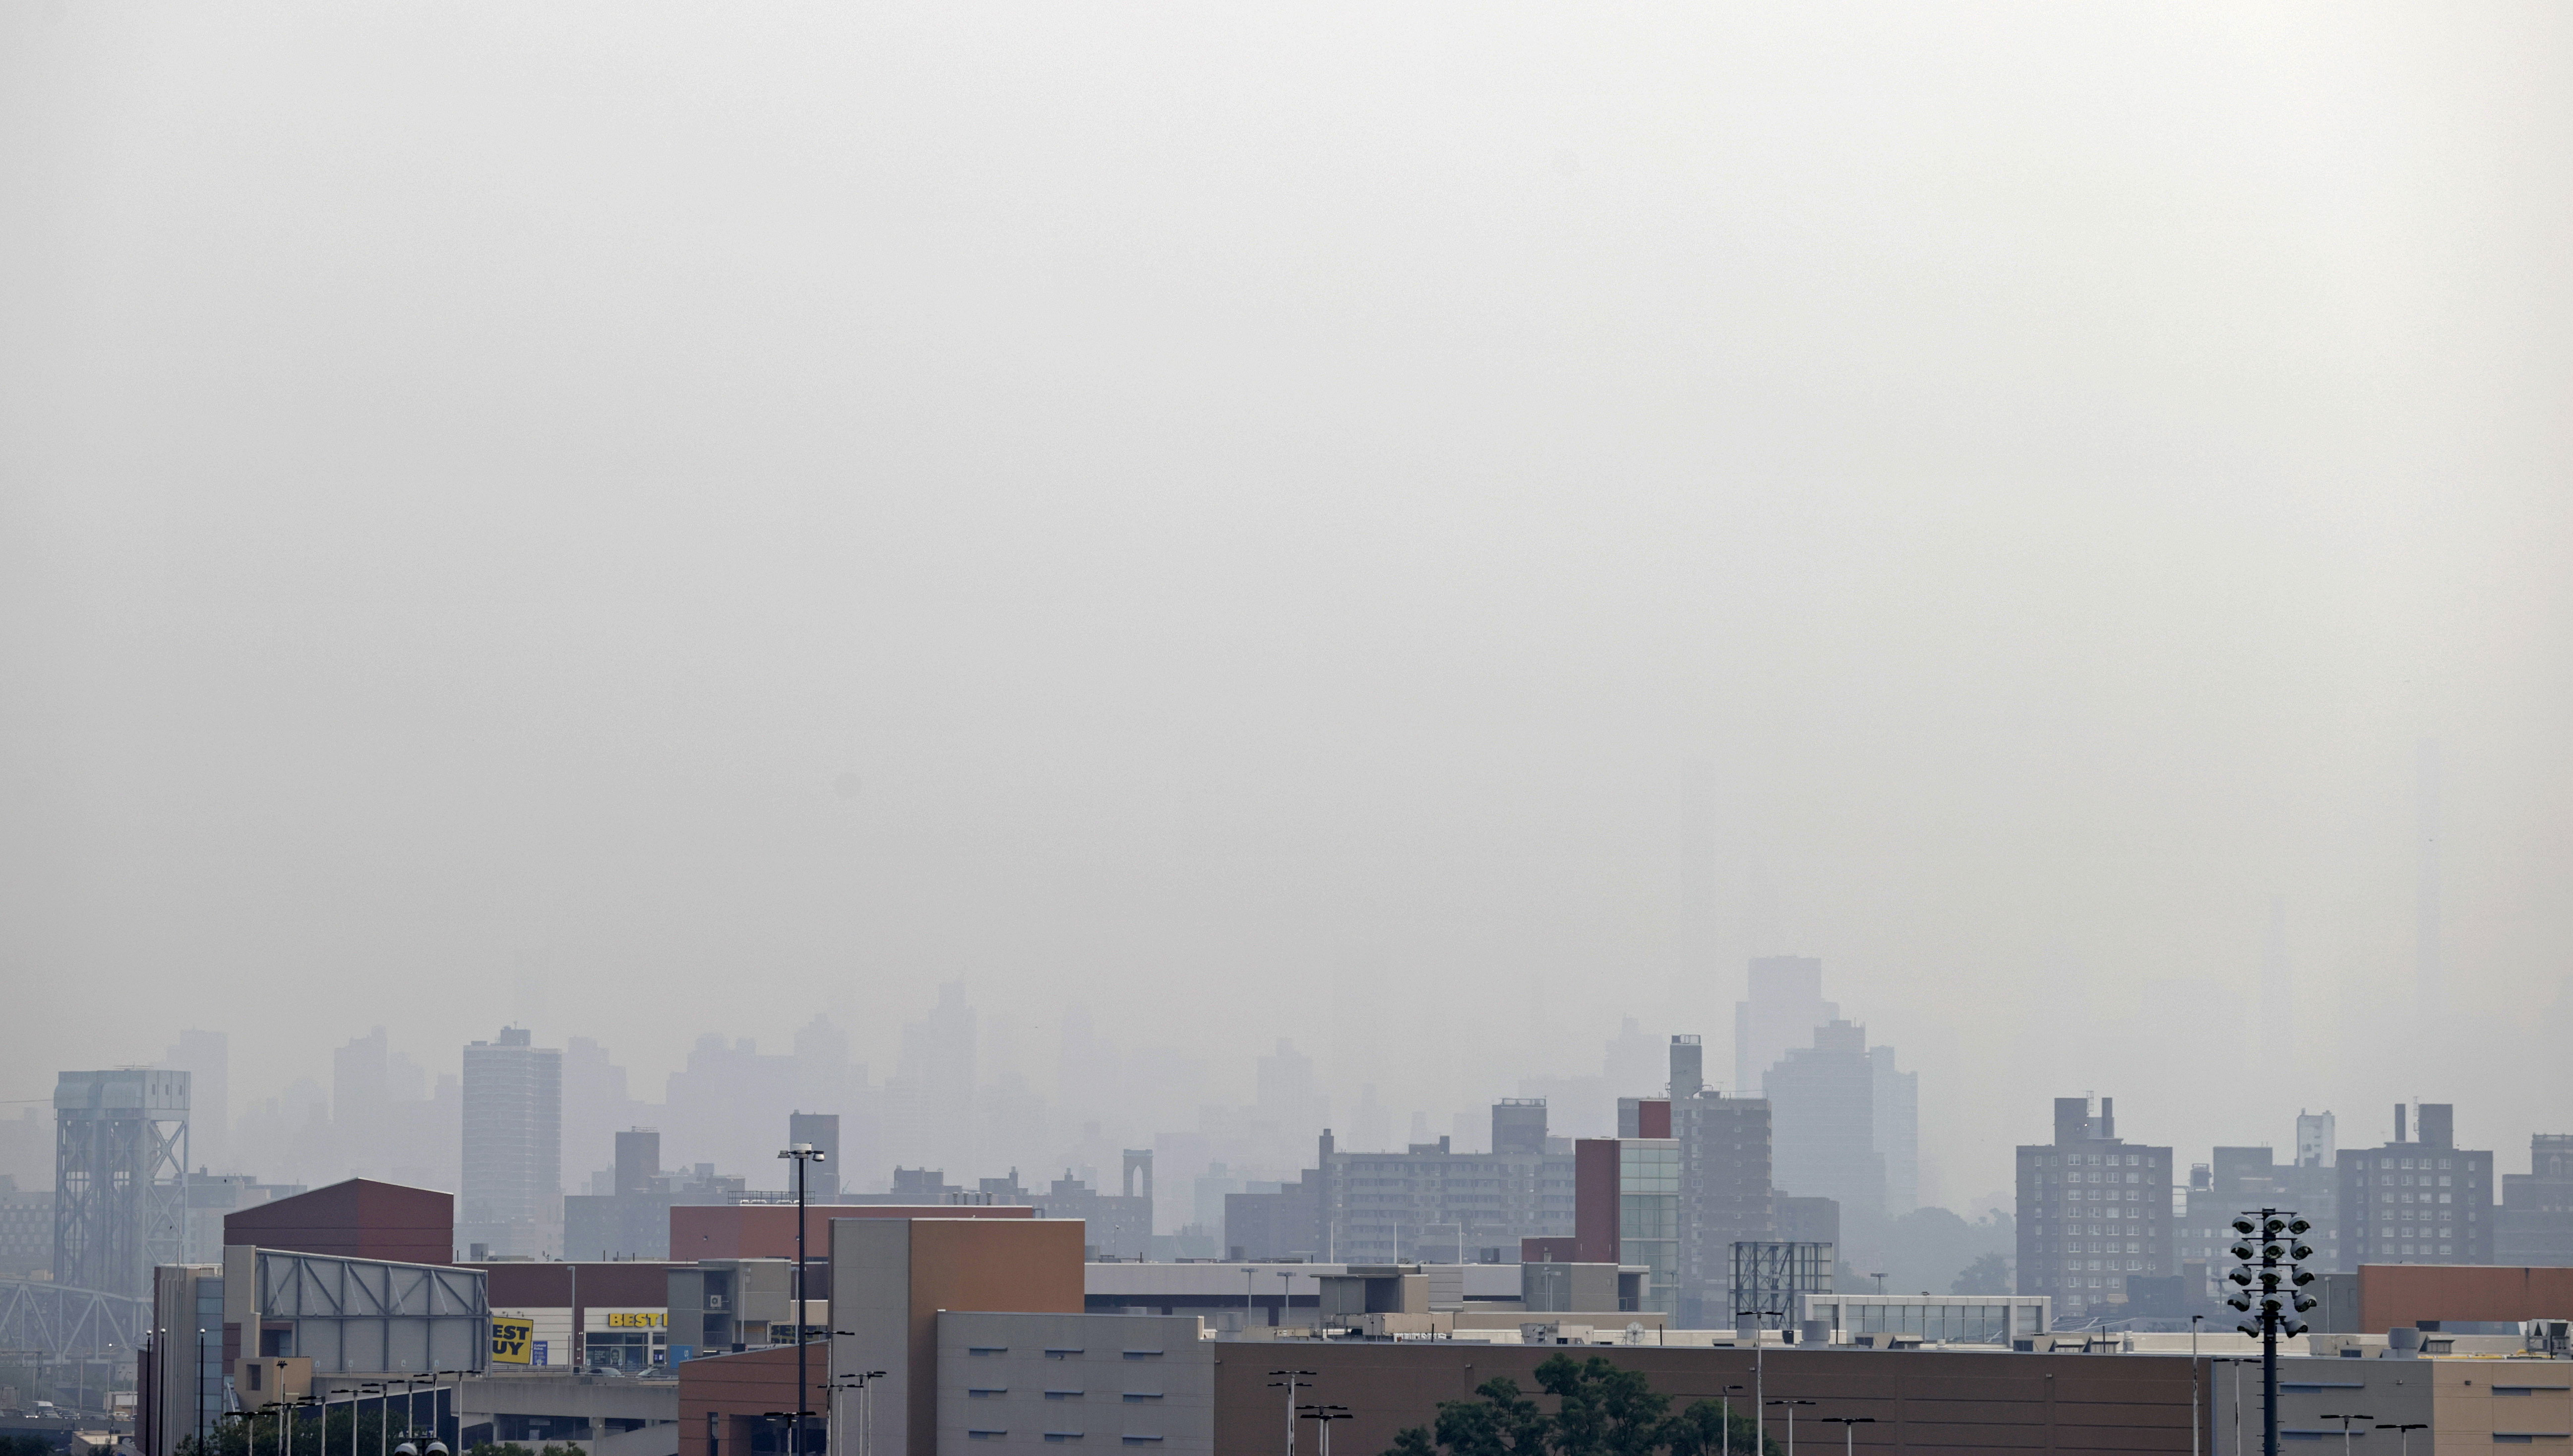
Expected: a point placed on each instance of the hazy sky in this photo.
(1421, 528)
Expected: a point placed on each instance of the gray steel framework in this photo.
(1767, 1277)
(369, 1316)
(120, 1178)
(59, 1321)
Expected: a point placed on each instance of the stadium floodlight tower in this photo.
(2270, 1286)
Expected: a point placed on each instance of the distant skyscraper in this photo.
(1898, 1131)
(2278, 996)
(822, 1129)
(1518, 1127)
(1822, 1101)
(638, 1161)
(512, 1199)
(932, 1095)
(207, 1059)
(2316, 1145)
(2429, 976)
(1784, 1005)
(120, 1178)
(361, 1094)
(1634, 1062)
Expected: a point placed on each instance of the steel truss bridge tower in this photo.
(120, 1178)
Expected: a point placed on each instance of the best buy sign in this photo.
(513, 1341)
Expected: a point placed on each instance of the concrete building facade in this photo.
(892, 1276)
(2535, 1221)
(2093, 1211)
(1021, 1381)
(2417, 1201)
(1726, 1193)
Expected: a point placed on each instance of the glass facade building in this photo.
(1648, 1216)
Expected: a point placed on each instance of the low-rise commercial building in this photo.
(892, 1276)
(603, 1415)
(1893, 1320)
(1014, 1381)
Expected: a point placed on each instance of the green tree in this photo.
(1988, 1275)
(1601, 1409)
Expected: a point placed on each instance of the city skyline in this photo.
(1038, 1133)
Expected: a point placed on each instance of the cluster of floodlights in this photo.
(2270, 1286)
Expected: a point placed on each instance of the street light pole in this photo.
(1759, 1380)
(1289, 1384)
(457, 1405)
(803, 1153)
(1724, 1398)
(2408, 1431)
(1791, 1406)
(1323, 1415)
(1848, 1427)
(2194, 1321)
(858, 1381)
(2344, 1427)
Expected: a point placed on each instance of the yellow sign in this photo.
(513, 1341)
(639, 1319)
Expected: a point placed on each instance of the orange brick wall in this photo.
(2393, 1296)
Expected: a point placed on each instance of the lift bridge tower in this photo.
(120, 1178)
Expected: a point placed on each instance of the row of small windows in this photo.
(980, 1433)
(2099, 1160)
(994, 1392)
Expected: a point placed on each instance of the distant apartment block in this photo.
(2421, 1201)
(2094, 1212)
(1427, 1201)
(2536, 1216)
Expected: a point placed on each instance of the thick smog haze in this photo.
(1426, 532)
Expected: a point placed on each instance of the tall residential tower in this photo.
(512, 1203)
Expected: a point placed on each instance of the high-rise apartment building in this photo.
(822, 1130)
(2425, 1201)
(2093, 1211)
(1725, 1194)
(2317, 1140)
(513, 1197)
(120, 1178)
